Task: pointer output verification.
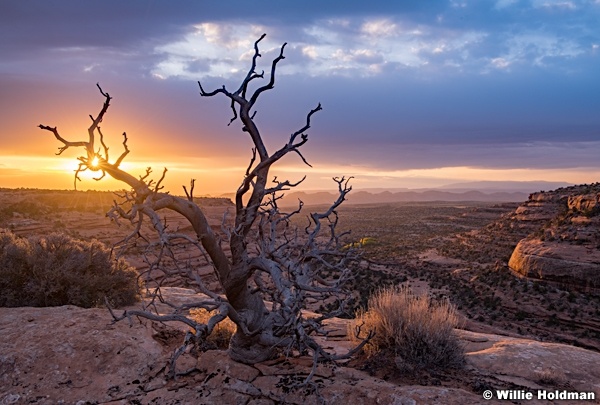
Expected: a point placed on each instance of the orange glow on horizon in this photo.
(217, 176)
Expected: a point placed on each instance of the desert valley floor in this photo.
(456, 250)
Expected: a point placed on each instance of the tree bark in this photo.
(289, 261)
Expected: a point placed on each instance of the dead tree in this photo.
(286, 265)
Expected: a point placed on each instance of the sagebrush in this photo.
(59, 270)
(416, 330)
(222, 333)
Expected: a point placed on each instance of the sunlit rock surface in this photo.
(72, 355)
(564, 244)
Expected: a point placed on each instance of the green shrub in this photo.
(418, 332)
(59, 270)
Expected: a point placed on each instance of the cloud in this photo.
(211, 49)
(373, 40)
(497, 156)
(507, 83)
(360, 46)
(359, 56)
(310, 52)
(374, 45)
(540, 48)
(379, 28)
(554, 5)
(227, 36)
(500, 63)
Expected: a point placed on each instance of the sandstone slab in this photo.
(555, 261)
(71, 354)
(74, 356)
(534, 365)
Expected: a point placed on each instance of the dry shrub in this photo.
(417, 331)
(60, 270)
(221, 334)
(550, 376)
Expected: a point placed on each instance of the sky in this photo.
(415, 93)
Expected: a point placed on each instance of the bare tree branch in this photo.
(269, 257)
(190, 195)
(125, 152)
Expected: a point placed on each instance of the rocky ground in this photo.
(521, 323)
(72, 355)
(565, 248)
(463, 252)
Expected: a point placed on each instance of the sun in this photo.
(95, 161)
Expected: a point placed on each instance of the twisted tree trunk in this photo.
(286, 269)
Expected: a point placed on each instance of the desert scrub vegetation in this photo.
(59, 270)
(222, 333)
(417, 331)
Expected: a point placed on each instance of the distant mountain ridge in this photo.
(483, 186)
(506, 186)
(484, 191)
(366, 197)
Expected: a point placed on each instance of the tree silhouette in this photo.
(269, 260)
